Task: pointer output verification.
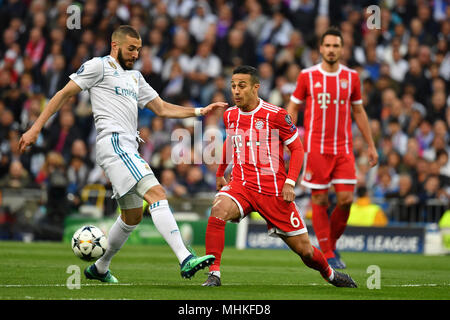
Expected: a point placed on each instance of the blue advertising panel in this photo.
(368, 239)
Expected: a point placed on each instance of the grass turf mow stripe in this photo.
(38, 271)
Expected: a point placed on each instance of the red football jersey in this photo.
(328, 98)
(256, 139)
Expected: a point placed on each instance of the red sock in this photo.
(215, 240)
(321, 225)
(319, 263)
(338, 222)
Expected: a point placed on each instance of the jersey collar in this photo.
(254, 110)
(330, 74)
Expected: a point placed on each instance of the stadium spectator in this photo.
(364, 213)
(438, 106)
(398, 66)
(201, 20)
(266, 75)
(150, 72)
(171, 185)
(442, 157)
(398, 137)
(204, 67)
(405, 200)
(383, 187)
(255, 19)
(416, 81)
(217, 88)
(56, 76)
(424, 134)
(62, 135)
(438, 144)
(177, 87)
(77, 176)
(372, 64)
(237, 48)
(35, 46)
(194, 181)
(431, 190)
(17, 177)
(276, 31)
(53, 161)
(179, 52)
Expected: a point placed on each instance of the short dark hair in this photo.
(332, 31)
(361, 191)
(125, 30)
(252, 71)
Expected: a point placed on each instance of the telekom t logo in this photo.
(323, 99)
(237, 142)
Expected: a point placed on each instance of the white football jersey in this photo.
(115, 94)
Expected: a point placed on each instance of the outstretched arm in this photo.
(168, 110)
(55, 103)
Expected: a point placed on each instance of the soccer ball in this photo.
(89, 243)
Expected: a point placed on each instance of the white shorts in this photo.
(117, 154)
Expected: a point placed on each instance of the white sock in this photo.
(117, 236)
(331, 277)
(165, 223)
(215, 273)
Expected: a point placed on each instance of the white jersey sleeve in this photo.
(146, 92)
(89, 74)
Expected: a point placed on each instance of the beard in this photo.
(331, 61)
(123, 62)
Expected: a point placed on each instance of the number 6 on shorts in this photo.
(294, 220)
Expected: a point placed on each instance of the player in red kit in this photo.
(257, 132)
(330, 93)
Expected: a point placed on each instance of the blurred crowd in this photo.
(189, 50)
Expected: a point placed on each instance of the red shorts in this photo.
(282, 218)
(323, 170)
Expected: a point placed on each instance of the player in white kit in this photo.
(116, 92)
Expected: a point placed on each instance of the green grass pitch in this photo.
(38, 271)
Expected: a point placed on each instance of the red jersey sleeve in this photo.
(224, 164)
(355, 97)
(289, 135)
(299, 94)
(287, 129)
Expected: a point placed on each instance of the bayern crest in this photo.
(259, 124)
(308, 175)
(344, 83)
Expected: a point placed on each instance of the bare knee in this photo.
(154, 194)
(345, 200)
(132, 217)
(320, 199)
(300, 245)
(225, 209)
(306, 251)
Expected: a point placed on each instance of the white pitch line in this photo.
(61, 285)
(196, 284)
